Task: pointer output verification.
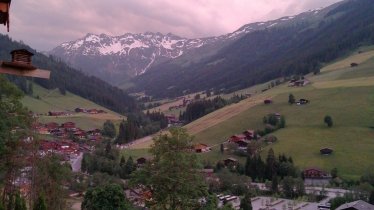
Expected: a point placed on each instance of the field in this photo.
(344, 93)
(44, 100)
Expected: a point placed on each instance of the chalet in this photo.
(356, 205)
(61, 134)
(242, 144)
(315, 173)
(354, 65)
(92, 111)
(80, 110)
(68, 125)
(47, 146)
(51, 125)
(326, 151)
(94, 138)
(80, 134)
(172, 119)
(230, 161)
(186, 102)
(302, 101)
(268, 101)
(237, 137)
(56, 113)
(141, 161)
(298, 83)
(94, 132)
(43, 130)
(139, 196)
(199, 148)
(249, 134)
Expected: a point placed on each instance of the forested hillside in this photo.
(68, 79)
(274, 52)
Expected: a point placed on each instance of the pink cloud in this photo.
(44, 23)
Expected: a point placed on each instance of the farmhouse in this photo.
(80, 134)
(237, 137)
(199, 148)
(94, 132)
(249, 134)
(298, 83)
(268, 101)
(141, 161)
(68, 125)
(51, 125)
(315, 173)
(230, 161)
(43, 130)
(80, 110)
(356, 205)
(354, 65)
(326, 151)
(316, 177)
(57, 113)
(302, 102)
(92, 111)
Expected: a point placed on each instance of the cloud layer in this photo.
(46, 23)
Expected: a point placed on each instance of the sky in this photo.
(44, 24)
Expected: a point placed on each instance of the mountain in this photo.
(300, 45)
(69, 79)
(118, 58)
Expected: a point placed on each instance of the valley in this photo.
(341, 91)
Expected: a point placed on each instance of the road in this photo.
(76, 163)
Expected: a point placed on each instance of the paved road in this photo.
(76, 163)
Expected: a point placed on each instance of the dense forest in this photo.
(267, 54)
(68, 79)
(203, 107)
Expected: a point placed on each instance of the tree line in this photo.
(202, 107)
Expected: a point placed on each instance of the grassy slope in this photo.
(54, 101)
(347, 94)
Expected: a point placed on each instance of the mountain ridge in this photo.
(118, 58)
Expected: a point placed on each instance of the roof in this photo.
(200, 146)
(23, 51)
(359, 205)
(231, 159)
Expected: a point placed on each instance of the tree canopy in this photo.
(109, 197)
(173, 175)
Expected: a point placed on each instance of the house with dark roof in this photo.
(356, 205)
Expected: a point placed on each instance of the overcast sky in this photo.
(44, 24)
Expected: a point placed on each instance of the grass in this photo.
(52, 100)
(345, 93)
(356, 57)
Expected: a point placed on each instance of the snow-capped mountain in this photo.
(118, 58)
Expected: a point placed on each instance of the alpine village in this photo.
(99, 113)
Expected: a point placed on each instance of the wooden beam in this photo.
(39, 73)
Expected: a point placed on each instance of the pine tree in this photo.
(130, 165)
(291, 99)
(19, 203)
(274, 184)
(270, 164)
(40, 204)
(246, 203)
(371, 197)
(121, 138)
(328, 121)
